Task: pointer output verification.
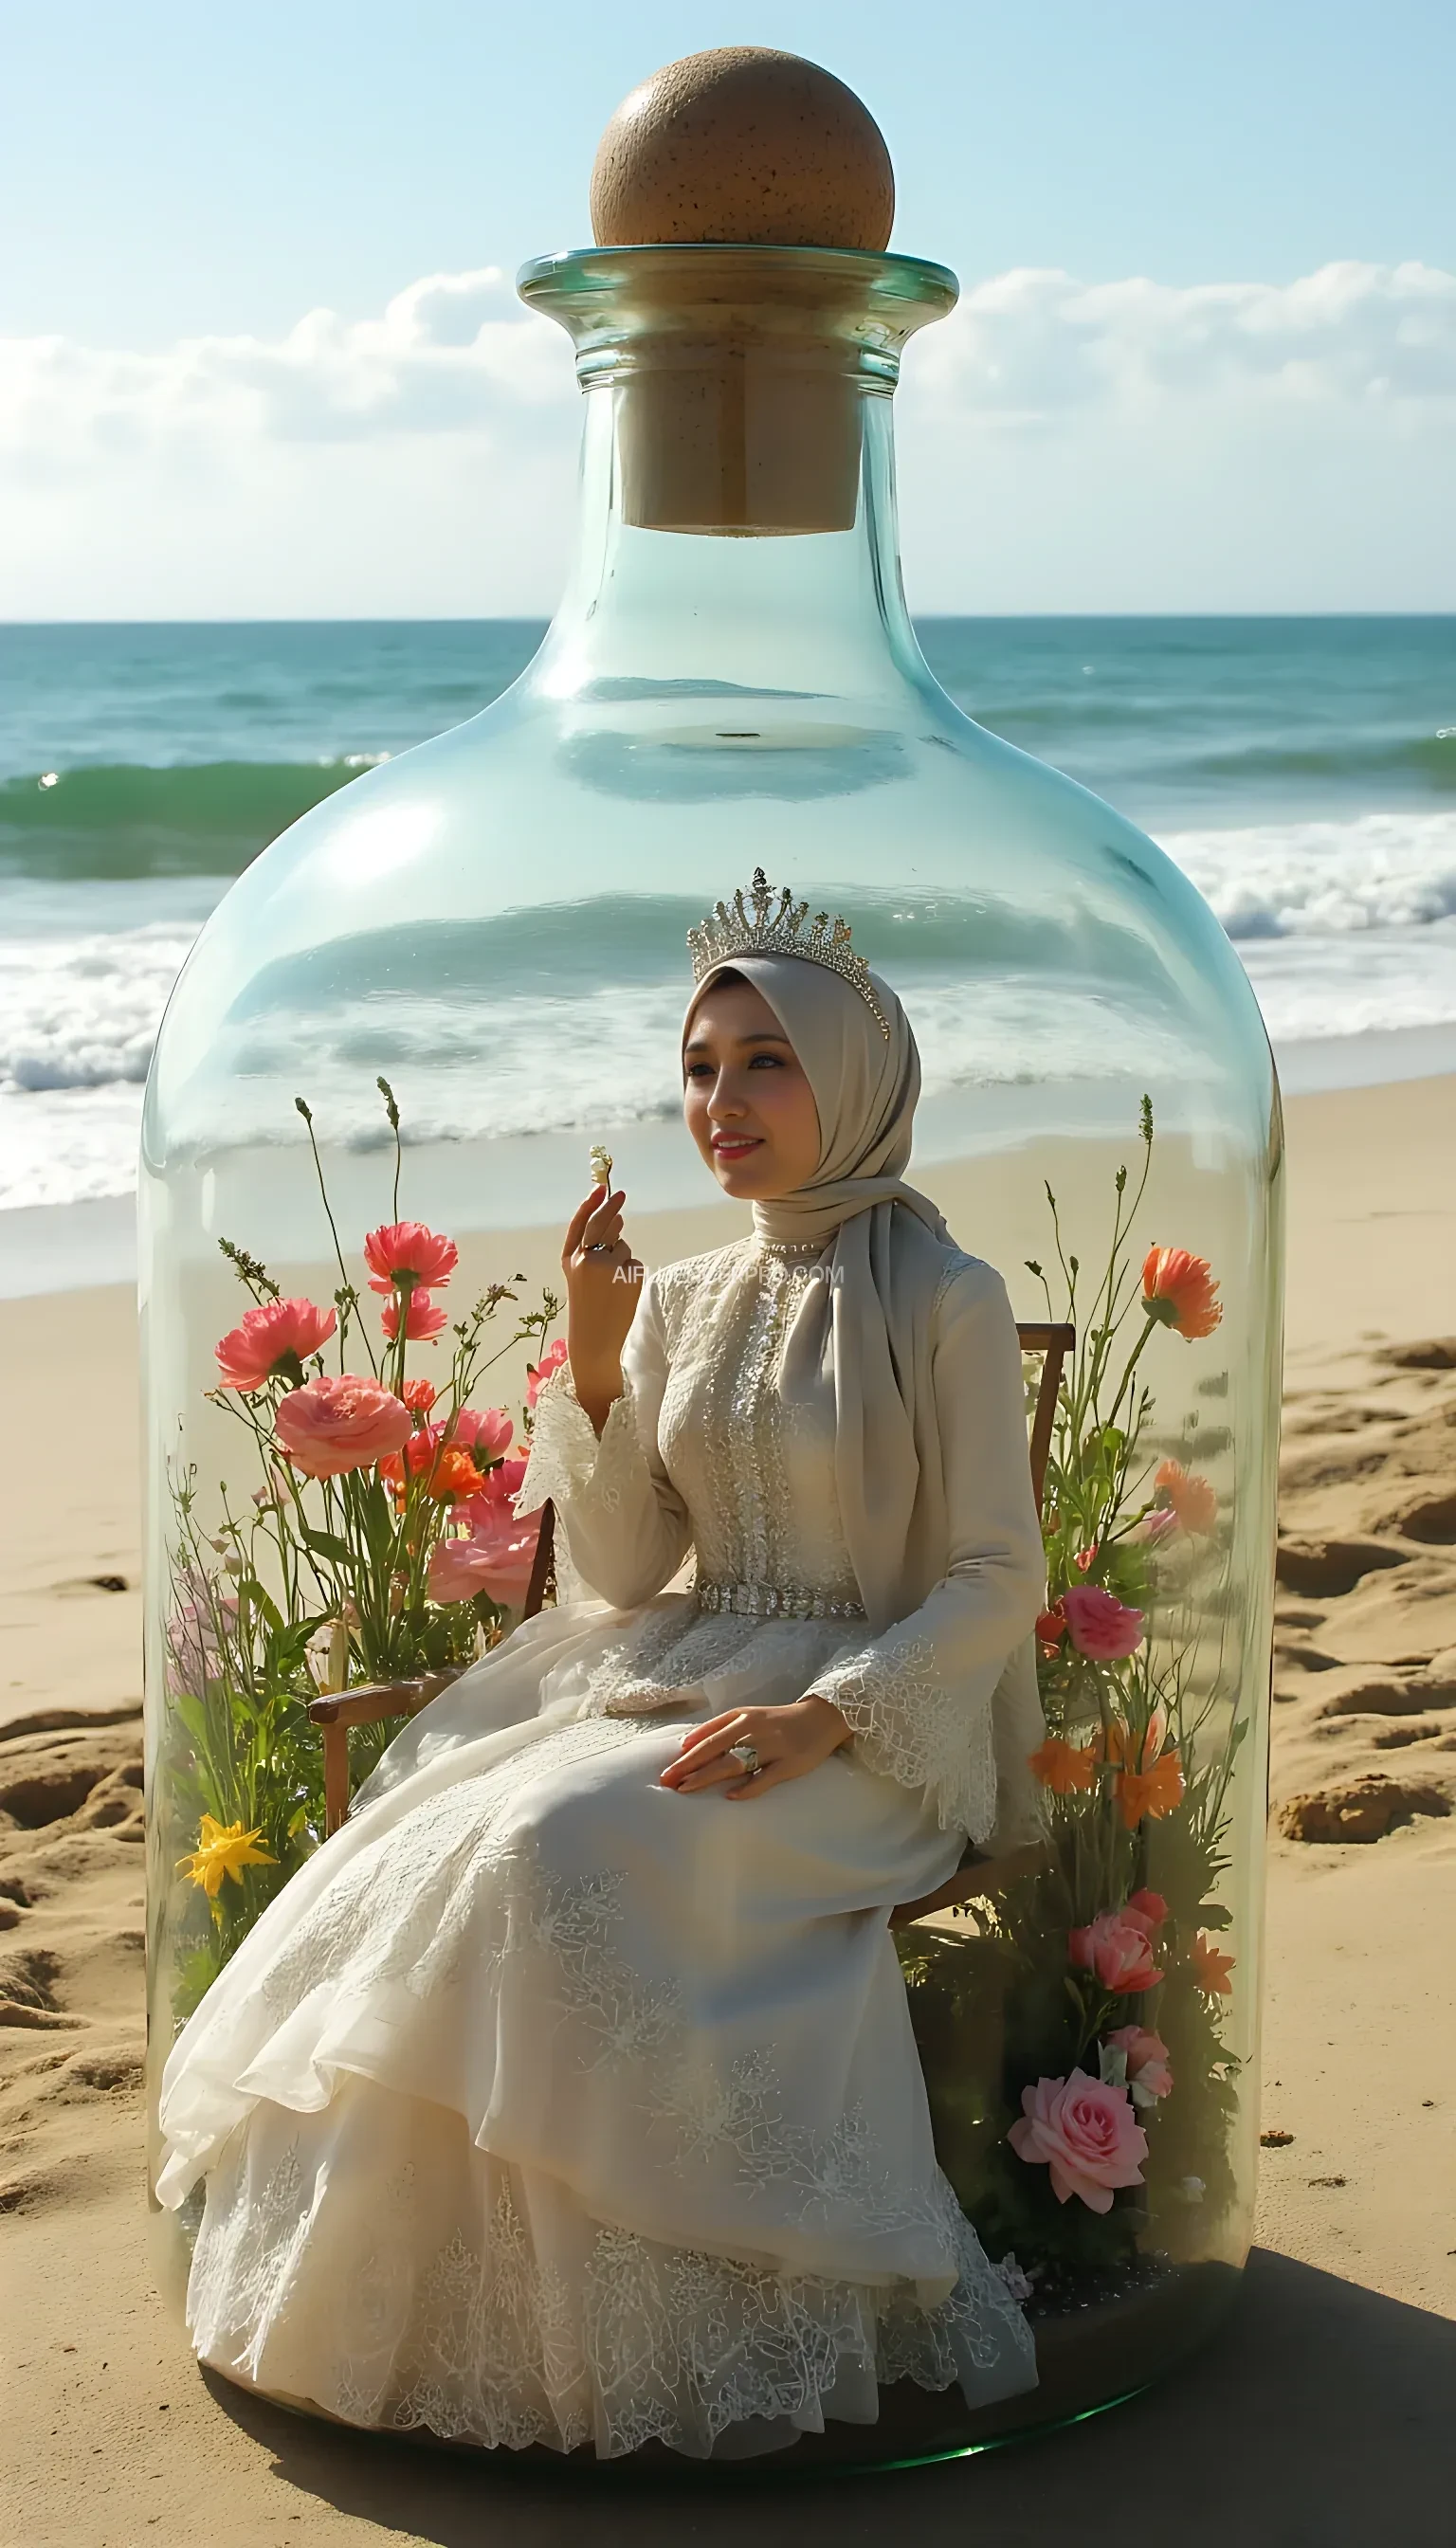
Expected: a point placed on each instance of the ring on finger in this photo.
(747, 1753)
(598, 1248)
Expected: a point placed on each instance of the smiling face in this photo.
(746, 1099)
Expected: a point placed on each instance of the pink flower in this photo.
(484, 1432)
(497, 1559)
(278, 1337)
(333, 1425)
(1145, 1911)
(404, 1254)
(1085, 2132)
(1099, 1624)
(419, 1395)
(551, 1362)
(1155, 1526)
(422, 1320)
(203, 1617)
(1117, 1950)
(1149, 2075)
(503, 1483)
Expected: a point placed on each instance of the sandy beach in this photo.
(1321, 2414)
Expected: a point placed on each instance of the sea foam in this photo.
(1346, 929)
(1326, 878)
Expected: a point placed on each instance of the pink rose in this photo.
(1085, 2132)
(1117, 1950)
(1145, 1911)
(278, 1336)
(496, 1559)
(551, 1360)
(484, 1432)
(405, 1254)
(1149, 2075)
(1099, 1624)
(333, 1425)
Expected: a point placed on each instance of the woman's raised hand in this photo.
(602, 1277)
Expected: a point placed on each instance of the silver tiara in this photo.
(728, 930)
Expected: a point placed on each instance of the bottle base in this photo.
(1092, 2357)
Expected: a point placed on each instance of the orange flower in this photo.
(1154, 1791)
(1118, 1744)
(1178, 1290)
(1212, 1968)
(1189, 1496)
(454, 1476)
(1064, 1768)
(445, 1470)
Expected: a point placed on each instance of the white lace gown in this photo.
(548, 2105)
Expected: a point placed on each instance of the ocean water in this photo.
(1303, 771)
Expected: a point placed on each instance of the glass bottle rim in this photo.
(612, 300)
(884, 276)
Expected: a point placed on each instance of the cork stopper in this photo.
(742, 147)
(745, 420)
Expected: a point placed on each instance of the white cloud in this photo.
(1031, 343)
(1123, 445)
(452, 353)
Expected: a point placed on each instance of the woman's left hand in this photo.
(788, 1740)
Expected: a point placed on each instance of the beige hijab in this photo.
(869, 1325)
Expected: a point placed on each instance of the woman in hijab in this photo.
(568, 2095)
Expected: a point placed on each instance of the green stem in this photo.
(307, 1115)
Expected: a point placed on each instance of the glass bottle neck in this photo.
(801, 613)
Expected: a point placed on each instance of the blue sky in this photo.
(179, 173)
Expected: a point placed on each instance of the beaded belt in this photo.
(773, 1602)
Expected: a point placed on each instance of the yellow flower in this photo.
(222, 1850)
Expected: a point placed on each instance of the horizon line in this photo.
(543, 618)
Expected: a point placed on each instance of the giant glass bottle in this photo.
(495, 924)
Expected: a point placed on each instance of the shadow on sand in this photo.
(1318, 2416)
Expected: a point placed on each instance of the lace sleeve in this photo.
(565, 1449)
(625, 1526)
(912, 1725)
(938, 1701)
